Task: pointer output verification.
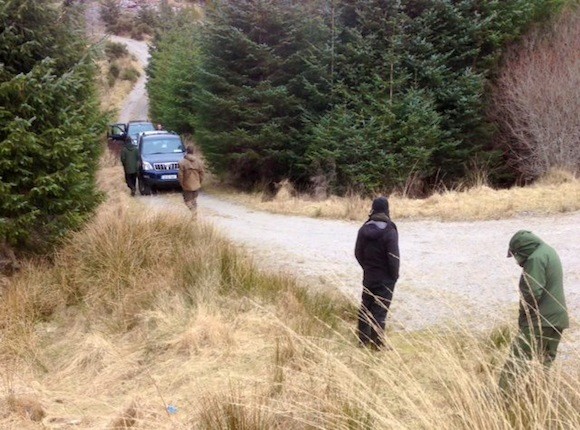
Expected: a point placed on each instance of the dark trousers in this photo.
(190, 199)
(131, 180)
(373, 314)
(541, 343)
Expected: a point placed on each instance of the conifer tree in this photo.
(381, 129)
(424, 62)
(254, 87)
(368, 93)
(171, 74)
(49, 123)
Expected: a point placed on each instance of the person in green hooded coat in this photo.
(542, 313)
(130, 161)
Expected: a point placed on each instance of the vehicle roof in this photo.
(158, 133)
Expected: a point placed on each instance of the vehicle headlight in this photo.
(147, 165)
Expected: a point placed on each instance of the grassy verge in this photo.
(119, 70)
(149, 320)
(557, 193)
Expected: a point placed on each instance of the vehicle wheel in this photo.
(144, 187)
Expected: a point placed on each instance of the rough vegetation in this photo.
(369, 95)
(118, 63)
(537, 99)
(557, 192)
(153, 321)
(141, 19)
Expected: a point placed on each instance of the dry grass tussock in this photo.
(557, 192)
(152, 321)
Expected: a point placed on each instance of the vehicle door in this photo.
(117, 132)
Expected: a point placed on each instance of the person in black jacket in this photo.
(377, 251)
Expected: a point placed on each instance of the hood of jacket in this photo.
(375, 226)
(190, 157)
(523, 244)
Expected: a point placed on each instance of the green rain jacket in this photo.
(130, 158)
(542, 302)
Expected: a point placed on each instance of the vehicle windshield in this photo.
(161, 145)
(135, 129)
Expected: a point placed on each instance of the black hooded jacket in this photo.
(377, 251)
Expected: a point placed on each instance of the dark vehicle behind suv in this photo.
(123, 132)
(159, 153)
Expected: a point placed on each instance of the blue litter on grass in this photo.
(171, 409)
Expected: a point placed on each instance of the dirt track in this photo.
(451, 273)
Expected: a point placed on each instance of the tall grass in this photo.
(147, 319)
(557, 192)
(429, 381)
(124, 260)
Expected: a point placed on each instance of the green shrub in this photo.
(114, 70)
(139, 30)
(145, 28)
(130, 74)
(110, 12)
(124, 25)
(136, 34)
(113, 74)
(114, 50)
(148, 16)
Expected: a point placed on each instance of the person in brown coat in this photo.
(190, 177)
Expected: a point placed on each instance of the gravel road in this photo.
(136, 106)
(451, 273)
(454, 272)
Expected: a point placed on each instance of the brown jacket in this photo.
(190, 173)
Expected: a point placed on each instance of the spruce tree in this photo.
(369, 93)
(381, 128)
(49, 123)
(425, 63)
(171, 74)
(254, 88)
